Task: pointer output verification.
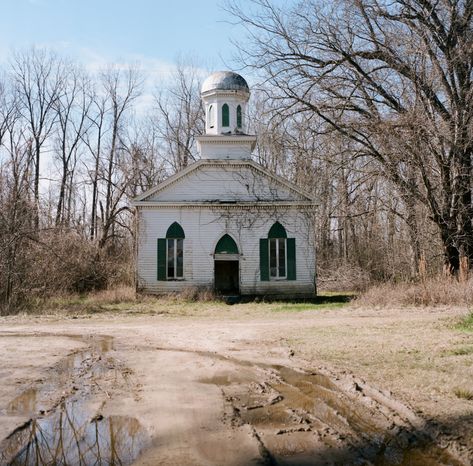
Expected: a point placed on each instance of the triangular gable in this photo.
(210, 180)
(279, 179)
(168, 181)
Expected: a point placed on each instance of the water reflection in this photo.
(71, 437)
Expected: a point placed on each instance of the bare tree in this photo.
(179, 116)
(39, 83)
(144, 166)
(16, 212)
(395, 78)
(94, 140)
(73, 108)
(121, 88)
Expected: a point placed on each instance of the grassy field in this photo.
(124, 300)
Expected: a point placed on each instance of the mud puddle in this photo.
(69, 436)
(65, 426)
(301, 418)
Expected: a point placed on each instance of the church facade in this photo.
(225, 222)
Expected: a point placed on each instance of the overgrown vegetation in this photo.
(445, 291)
(192, 301)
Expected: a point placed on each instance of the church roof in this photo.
(225, 81)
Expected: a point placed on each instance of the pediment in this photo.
(224, 181)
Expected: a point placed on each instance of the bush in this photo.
(58, 263)
(431, 292)
(195, 294)
(344, 277)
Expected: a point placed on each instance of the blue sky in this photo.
(97, 32)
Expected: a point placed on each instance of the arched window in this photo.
(277, 231)
(277, 251)
(175, 231)
(225, 115)
(277, 255)
(211, 116)
(171, 254)
(239, 119)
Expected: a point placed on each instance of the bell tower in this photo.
(225, 96)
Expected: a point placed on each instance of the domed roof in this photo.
(225, 81)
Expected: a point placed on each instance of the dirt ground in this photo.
(265, 384)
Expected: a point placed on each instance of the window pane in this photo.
(171, 258)
(211, 116)
(180, 258)
(273, 266)
(282, 257)
(225, 115)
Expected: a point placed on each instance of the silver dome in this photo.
(225, 81)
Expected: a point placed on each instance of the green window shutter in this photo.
(291, 258)
(264, 259)
(225, 115)
(162, 259)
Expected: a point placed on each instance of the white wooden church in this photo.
(225, 221)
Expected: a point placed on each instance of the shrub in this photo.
(195, 293)
(344, 277)
(431, 292)
(61, 263)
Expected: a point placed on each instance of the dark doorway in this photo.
(227, 280)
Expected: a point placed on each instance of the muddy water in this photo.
(306, 419)
(70, 437)
(25, 403)
(71, 432)
(293, 417)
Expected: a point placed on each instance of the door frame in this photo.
(227, 258)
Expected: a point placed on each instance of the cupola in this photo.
(225, 95)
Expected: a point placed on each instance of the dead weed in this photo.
(431, 292)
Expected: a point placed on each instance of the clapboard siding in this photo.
(203, 228)
(232, 182)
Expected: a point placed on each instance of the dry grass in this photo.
(463, 394)
(192, 301)
(84, 303)
(462, 351)
(431, 292)
(115, 295)
(194, 294)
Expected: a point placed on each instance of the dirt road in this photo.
(218, 390)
